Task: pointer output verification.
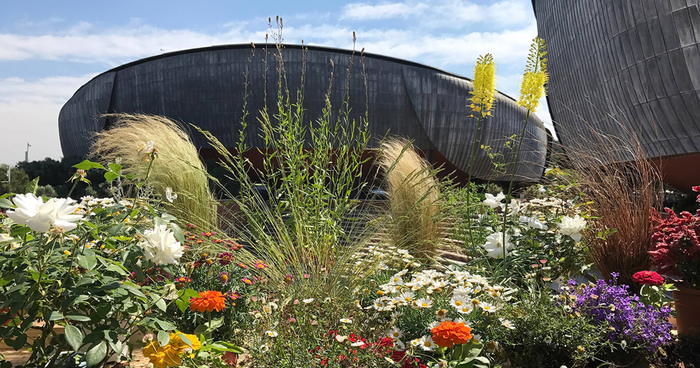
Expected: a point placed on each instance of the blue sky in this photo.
(48, 49)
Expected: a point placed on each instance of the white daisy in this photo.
(427, 343)
(507, 324)
(271, 333)
(395, 333)
(423, 303)
(346, 320)
(487, 307)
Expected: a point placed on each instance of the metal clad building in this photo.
(206, 87)
(634, 62)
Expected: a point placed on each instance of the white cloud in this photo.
(363, 11)
(113, 46)
(29, 114)
(444, 13)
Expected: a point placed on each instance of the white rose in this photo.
(160, 247)
(39, 216)
(572, 226)
(494, 201)
(494, 245)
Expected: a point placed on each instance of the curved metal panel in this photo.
(624, 61)
(205, 87)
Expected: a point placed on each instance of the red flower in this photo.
(648, 278)
(230, 358)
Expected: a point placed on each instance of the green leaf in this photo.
(32, 186)
(5, 203)
(78, 317)
(74, 337)
(134, 291)
(87, 165)
(117, 269)
(96, 354)
(115, 168)
(177, 230)
(87, 262)
(160, 302)
(19, 342)
(110, 176)
(159, 221)
(224, 346)
(200, 329)
(53, 316)
(19, 230)
(182, 304)
(163, 338)
(167, 326)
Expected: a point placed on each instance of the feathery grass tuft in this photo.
(414, 196)
(177, 167)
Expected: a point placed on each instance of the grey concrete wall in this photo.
(205, 87)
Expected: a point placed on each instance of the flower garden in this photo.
(548, 278)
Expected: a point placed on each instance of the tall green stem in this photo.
(510, 186)
(469, 179)
(75, 184)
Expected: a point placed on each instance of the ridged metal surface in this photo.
(622, 67)
(205, 87)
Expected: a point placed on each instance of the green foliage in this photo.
(546, 334)
(17, 181)
(78, 281)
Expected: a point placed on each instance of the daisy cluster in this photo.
(466, 293)
(88, 204)
(378, 258)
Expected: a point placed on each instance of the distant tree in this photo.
(56, 174)
(16, 183)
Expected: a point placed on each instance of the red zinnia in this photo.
(648, 278)
(208, 301)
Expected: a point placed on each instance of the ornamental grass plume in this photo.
(208, 301)
(450, 333)
(416, 222)
(132, 139)
(622, 190)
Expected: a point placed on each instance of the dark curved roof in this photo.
(203, 86)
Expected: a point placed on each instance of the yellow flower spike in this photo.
(484, 85)
(535, 78)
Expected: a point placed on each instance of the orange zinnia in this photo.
(208, 301)
(451, 333)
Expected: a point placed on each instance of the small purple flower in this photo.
(631, 320)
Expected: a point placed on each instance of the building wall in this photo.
(624, 68)
(206, 87)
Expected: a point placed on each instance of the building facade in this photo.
(628, 69)
(205, 87)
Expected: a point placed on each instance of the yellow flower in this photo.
(66, 253)
(535, 78)
(484, 85)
